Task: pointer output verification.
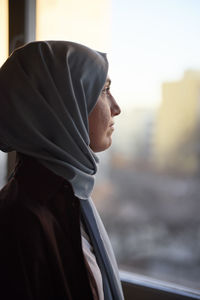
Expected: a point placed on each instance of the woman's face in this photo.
(101, 119)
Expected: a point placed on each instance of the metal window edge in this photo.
(150, 283)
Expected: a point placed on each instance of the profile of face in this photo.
(101, 119)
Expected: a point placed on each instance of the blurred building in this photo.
(132, 140)
(177, 132)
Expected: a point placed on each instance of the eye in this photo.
(106, 90)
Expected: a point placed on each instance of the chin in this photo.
(103, 146)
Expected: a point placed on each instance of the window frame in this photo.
(22, 28)
(140, 287)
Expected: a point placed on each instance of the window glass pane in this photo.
(3, 30)
(86, 22)
(3, 56)
(148, 189)
(148, 183)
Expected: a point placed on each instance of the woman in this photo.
(56, 111)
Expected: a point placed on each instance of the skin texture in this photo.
(101, 119)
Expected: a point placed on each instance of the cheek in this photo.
(99, 121)
(103, 111)
(101, 118)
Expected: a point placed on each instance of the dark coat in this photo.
(41, 255)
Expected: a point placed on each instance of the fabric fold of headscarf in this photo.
(47, 90)
(103, 251)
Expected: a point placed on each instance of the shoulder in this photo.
(34, 190)
(35, 199)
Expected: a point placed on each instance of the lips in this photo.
(112, 127)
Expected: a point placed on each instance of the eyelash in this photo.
(106, 90)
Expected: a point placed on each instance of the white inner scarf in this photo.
(47, 90)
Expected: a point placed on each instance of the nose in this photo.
(115, 109)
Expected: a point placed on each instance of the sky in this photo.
(152, 41)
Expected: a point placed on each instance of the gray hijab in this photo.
(47, 90)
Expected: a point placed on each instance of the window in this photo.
(147, 189)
